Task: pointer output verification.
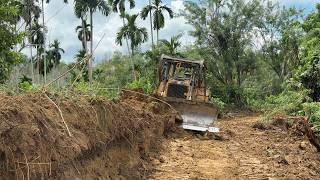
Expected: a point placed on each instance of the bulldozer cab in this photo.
(182, 78)
(182, 84)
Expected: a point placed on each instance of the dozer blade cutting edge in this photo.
(196, 116)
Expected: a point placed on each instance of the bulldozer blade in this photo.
(196, 116)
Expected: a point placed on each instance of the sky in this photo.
(61, 23)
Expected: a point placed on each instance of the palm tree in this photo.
(37, 40)
(119, 6)
(158, 18)
(53, 57)
(56, 52)
(80, 56)
(135, 34)
(29, 12)
(43, 24)
(84, 6)
(172, 45)
(84, 33)
(131, 31)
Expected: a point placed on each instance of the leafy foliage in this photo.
(9, 38)
(142, 83)
(156, 9)
(311, 79)
(132, 32)
(312, 111)
(223, 32)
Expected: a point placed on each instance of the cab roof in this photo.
(187, 61)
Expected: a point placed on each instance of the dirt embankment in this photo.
(109, 139)
(238, 152)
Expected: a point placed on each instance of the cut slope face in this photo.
(108, 139)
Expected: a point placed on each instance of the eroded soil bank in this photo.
(135, 138)
(239, 152)
(98, 139)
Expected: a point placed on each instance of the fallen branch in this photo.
(60, 112)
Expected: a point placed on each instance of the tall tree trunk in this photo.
(132, 62)
(151, 26)
(91, 48)
(31, 55)
(84, 39)
(44, 45)
(157, 36)
(127, 41)
(38, 63)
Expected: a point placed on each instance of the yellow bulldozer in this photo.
(182, 83)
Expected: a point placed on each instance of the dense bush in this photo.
(311, 79)
(142, 83)
(312, 111)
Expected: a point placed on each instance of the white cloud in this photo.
(62, 25)
(63, 22)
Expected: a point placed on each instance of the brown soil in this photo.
(109, 139)
(124, 139)
(238, 152)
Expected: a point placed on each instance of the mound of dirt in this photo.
(78, 137)
(296, 125)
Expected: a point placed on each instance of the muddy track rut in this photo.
(241, 152)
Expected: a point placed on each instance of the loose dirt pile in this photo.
(298, 126)
(242, 152)
(109, 139)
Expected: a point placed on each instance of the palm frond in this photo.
(114, 5)
(157, 2)
(121, 35)
(104, 7)
(169, 10)
(145, 11)
(132, 4)
(158, 20)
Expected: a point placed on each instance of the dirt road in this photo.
(242, 153)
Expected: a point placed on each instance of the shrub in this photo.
(312, 111)
(288, 102)
(142, 83)
(219, 103)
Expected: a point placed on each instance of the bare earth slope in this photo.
(242, 153)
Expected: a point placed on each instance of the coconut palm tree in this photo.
(158, 17)
(136, 35)
(172, 45)
(90, 6)
(119, 6)
(84, 33)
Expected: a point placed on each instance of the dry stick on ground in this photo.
(28, 168)
(60, 112)
(14, 160)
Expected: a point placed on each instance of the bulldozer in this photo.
(182, 84)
